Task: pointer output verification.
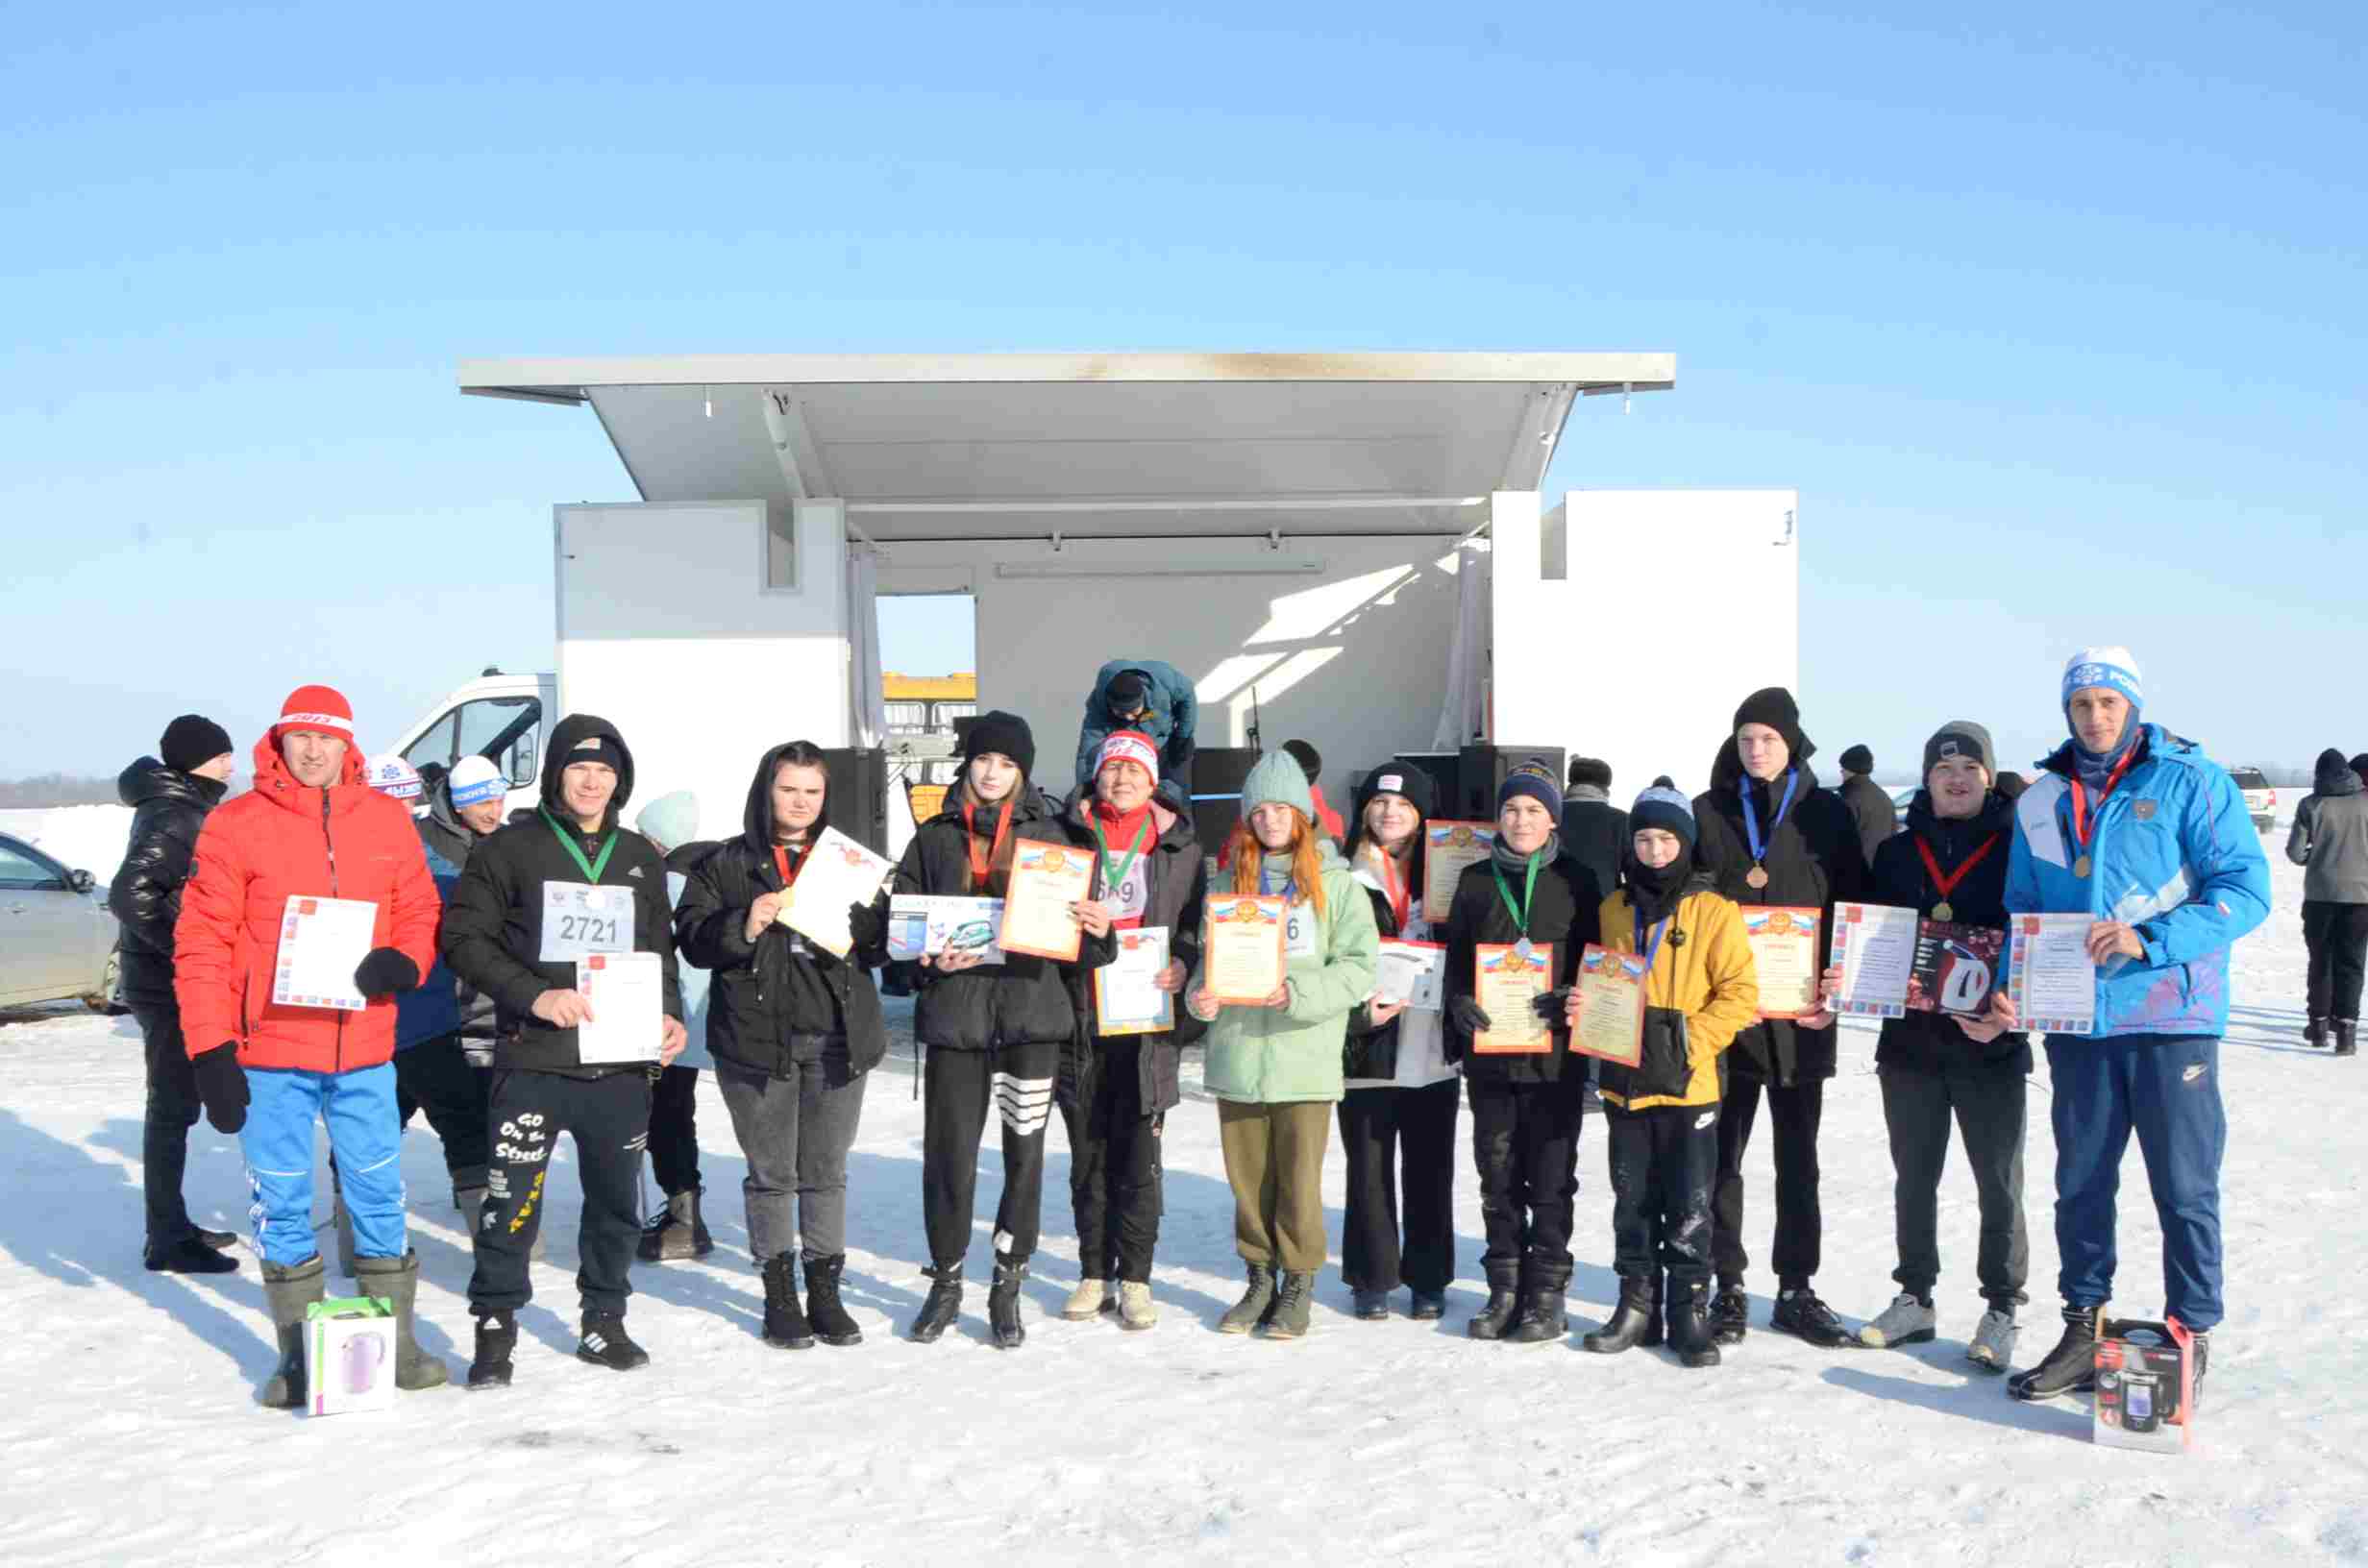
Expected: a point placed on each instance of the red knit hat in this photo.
(1130, 746)
(315, 707)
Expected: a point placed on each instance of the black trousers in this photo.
(1988, 1106)
(1114, 1167)
(958, 1087)
(1525, 1140)
(1400, 1139)
(608, 1116)
(1800, 1227)
(436, 1077)
(674, 1130)
(1665, 1162)
(172, 1110)
(2336, 936)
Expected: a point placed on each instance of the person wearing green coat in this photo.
(1275, 1066)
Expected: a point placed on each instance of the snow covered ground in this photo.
(125, 1410)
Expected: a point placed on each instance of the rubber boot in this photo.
(1690, 1325)
(1256, 1302)
(2347, 1037)
(397, 1279)
(1504, 1300)
(944, 1305)
(1292, 1300)
(829, 1318)
(287, 1291)
(1003, 1302)
(1639, 1309)
(2071, 1368)
(497, 1340)
(785, 1325)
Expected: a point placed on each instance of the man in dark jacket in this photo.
(1870, 804)
(1594, 831)
(1771, 838)
(2330, 838)
(536, 901)
(1151, 698)
(169, 800)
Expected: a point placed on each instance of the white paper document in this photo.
(1126, 1000)
(838, 873)
(927, 924)
(1412, 973)
(322, 942)
(627, 993)
(2052, 979)
(1875, 946)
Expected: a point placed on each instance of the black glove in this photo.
(222, 1087)
(1550, 1005)
(384, 972)
(1467, 1016)
(866, 924)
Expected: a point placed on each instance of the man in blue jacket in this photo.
(2131, 824)
(1152, 698)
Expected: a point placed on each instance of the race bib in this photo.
(1132, 899)
(1299, 932)
(579, 920)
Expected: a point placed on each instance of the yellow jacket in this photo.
(1711, 984)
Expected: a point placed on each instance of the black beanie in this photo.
(1592, 770)
(1126, 692)
(1007, 733)
(191, 741)
(1858, 760)
(1774, 707)
(1308, 759)
(1397, 777)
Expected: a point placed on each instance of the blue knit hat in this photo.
(1664, 807)
(1535, 782)
(2113, 668)
(671, 820)
(1278, 777)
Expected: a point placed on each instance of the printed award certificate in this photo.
(1507, 986)
(627, 993)
(1126, 1000)
(838, 873)
(925, 925)
(1611, 1006)
(1956, 969)
(1783, 943)
(1412, 973)
(1875, 946)
(1242, 958)
(322, 942)
(1448, 848)
(2054, 981)
(1046, 879)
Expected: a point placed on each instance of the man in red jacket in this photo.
(271, 1057)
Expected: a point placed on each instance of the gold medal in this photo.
(1757, 877)
(2080, 866)
(1942, 912)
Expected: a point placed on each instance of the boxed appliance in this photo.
(2145, 1386)
(349, 1354)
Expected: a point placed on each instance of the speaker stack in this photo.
(1218, 773)
(859, 799)
(1482, 770)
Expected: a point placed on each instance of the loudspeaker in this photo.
(859, 799)
(1217, 774)
(1446, 771)
(1482, 770)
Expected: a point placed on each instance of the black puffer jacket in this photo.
(1175, 877)
(1566, 910)
(1870, 807)
(168, 807)
(765, 996)
(1021, 1000)
(1813, 861)
(1929, 1042)
(493, 924)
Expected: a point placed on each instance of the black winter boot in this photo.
(2347, 1037)
(2314, 1033)
(1504, 1303)
(785, 1326)
(1639, 1310)
(189, 1256)
(287, 1291)
(1730, 1316)
(944, 1305)
(497, 1340)
(2071, 1368)
(1690, 1328)
(1003, 1302)
(822, 1301)
(1544, 1317)
(679, 1231)
(1257, 1303)
(397, 1279)
(605, 1343)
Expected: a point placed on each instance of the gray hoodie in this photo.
(2330, 836)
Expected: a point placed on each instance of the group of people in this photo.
(482, 918)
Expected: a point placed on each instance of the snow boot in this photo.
(1544, 1317)
(1430, 1306)
(397, 1279)
(1256, 1305)
(1003, 1302)
(1291, 1299)
(1798, 1311)
(1730, 1315)
(1639, 1310)
(785, 1326)
(944, 1305)
(1091, 1299)
(1136, 1309)
(189, 1256)
(287, 1291)
(823, 1310)
(679, 1231)
(2347, 1037)
(1504, 1300)
(605, 1343)
(2071, 1368)
(497, 1340)
(1910, 1320)
(1993, 1340)
(2314, 1033)
(1689, 1326)
(1369, 1306)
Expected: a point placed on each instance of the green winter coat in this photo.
(1277, 1055)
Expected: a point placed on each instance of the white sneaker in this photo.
(1993, 1343)
(1907, 1321)
(1089, 1301)
(1135, 1308)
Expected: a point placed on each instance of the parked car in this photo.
(57, 938)
(2261, 800)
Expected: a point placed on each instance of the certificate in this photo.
(1875, 946)
(1447, 848)
(925, 925)
(1783, 944)
(322, 942)
(1507, 986)
(1412, 973)
(838, 873)
(1242, 958)
(1127, 1001)
(1611, 1006)
(2054, 981)
(626, 994)
(1046, 879)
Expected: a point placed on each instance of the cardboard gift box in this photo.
(349, 1354)
(2145, 1386)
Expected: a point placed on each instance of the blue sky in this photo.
(2053, 313)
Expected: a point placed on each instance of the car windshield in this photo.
(2249, 779)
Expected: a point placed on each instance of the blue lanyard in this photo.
(1654, 951)
(1751, 815)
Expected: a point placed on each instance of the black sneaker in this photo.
(605, 1343)
(497, 1337)
(2071, 1368)
(1730, 1316)
(1801, 1313)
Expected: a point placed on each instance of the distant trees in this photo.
(56, 790)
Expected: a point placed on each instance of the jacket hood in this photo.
(1728, 771)
(2334, 776)
(1174, 829)
(276, 784)
(1996, 816)
(149, 779)
(570, 733)
(757, 817)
